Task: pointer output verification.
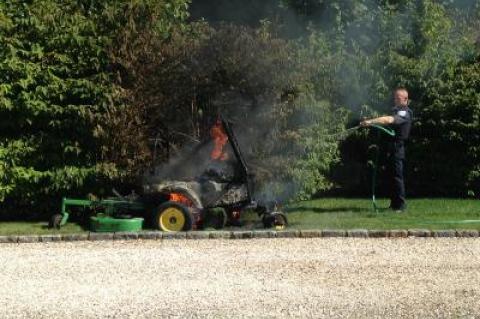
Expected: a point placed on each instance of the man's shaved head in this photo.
(400, 96)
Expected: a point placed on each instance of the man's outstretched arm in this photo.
(382, 120)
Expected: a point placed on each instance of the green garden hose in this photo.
(380, 130)
(389, 132)
(385, 130)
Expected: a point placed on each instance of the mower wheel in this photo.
(215, 218)
(275, 219)
(173, 216)
(55, 221)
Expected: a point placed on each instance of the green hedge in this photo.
(58, 89)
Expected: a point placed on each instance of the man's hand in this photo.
(365, 123)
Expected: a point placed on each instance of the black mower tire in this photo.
(54, 222)
(276, 219)
(172, 216)
(216, 218)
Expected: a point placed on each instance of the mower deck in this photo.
(109, 224)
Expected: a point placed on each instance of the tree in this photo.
(57, 91)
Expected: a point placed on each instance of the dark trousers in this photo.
(397, 191)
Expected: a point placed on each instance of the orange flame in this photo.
(220, 138)
(180, 198)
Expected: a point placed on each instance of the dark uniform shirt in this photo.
(402, 123)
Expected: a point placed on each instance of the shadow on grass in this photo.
(384, 209)
(85, 226)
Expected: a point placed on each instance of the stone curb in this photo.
(50, 238)
(310, 233)
(378, 233)
(149, 235)
(419, 233)
(244, 234)
(357, 233)
(241, 234)
(28, 239)
(100, 236)
(444, 233)
(220, 234)
(288, 234)
(264, 234)
(8, 239)
(397, 233)
(467, 233)
(198, 235)
(74, 237)
(125, 236)
(333, 233)
(176, 235)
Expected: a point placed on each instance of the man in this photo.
(401, 122)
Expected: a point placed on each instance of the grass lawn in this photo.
(341, 213)
(37, 228)
(333, 213)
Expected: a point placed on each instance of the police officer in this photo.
(401, 122)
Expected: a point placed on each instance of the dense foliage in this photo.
(58, 93)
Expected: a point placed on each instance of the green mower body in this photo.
(107, 215)
(101, 223)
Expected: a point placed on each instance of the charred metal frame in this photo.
(246, 175)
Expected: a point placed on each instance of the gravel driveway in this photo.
(256, 278)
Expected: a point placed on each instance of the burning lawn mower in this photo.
(215, 196)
